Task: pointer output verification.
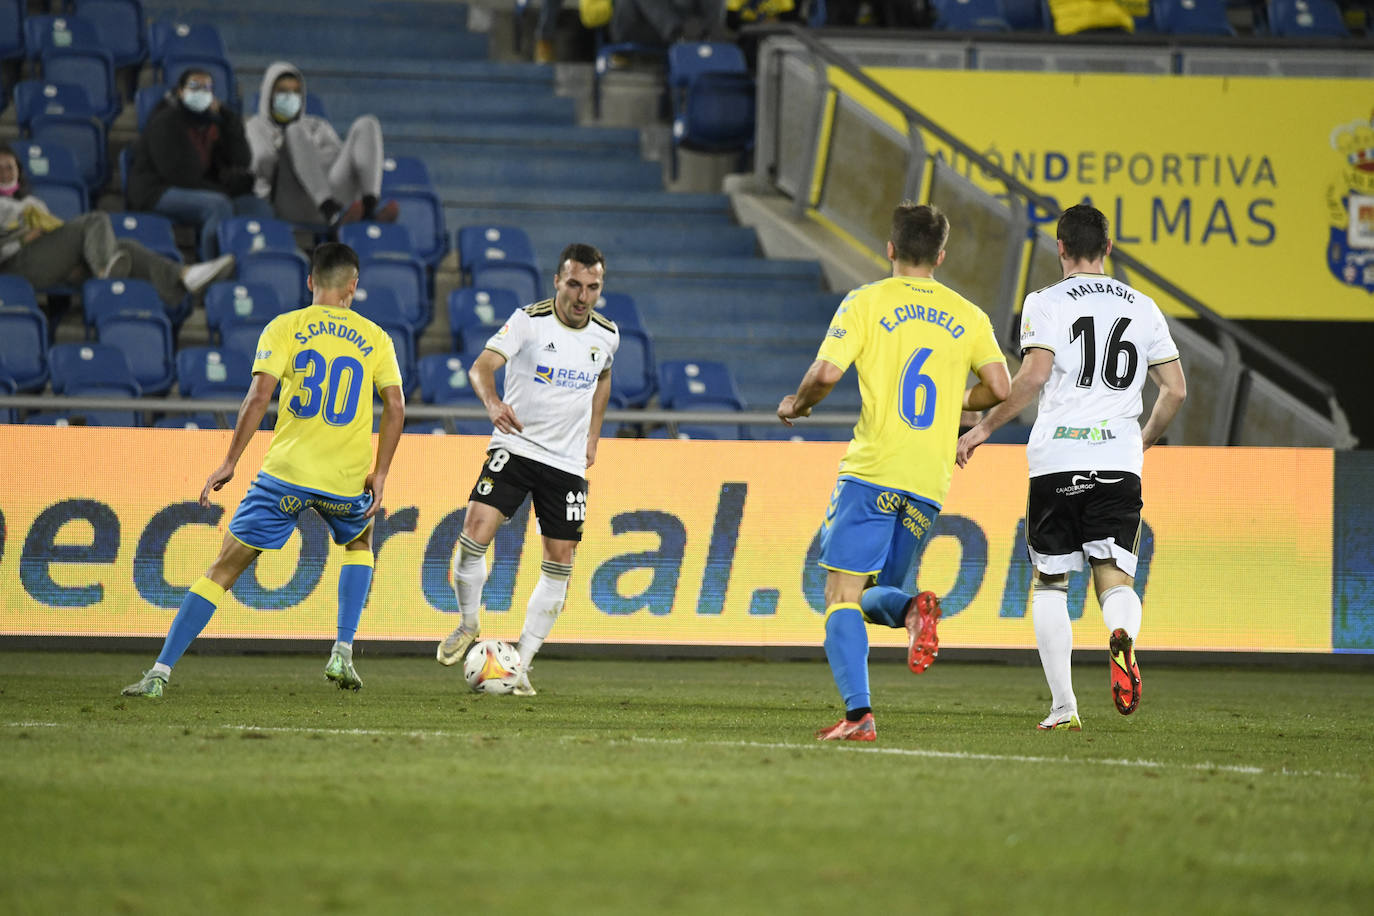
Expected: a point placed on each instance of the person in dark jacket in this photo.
(191, 163)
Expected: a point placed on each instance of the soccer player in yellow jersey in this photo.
(328, 360)
(913, 342)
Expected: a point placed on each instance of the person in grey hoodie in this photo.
(301, 165)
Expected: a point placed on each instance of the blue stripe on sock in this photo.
(846, 647)
(194, 614)
(354, 581)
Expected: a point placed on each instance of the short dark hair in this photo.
(1083, 230)
(919, 233)
(586, 255)
(190, 72)
(332, 265)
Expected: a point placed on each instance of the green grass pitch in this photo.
(647, 787)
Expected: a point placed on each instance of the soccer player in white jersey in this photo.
(558, 356)
(1087, 343)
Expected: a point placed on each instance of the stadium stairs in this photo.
(511, 142)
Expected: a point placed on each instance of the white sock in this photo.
(469, 576)
(1054, 639)
(1121, 610)
(546, 601)
(164, 670)
(343, 648)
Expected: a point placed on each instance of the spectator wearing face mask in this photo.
(302, 166)
(191, 163)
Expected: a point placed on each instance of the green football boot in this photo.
(340, 671)
(151, 685)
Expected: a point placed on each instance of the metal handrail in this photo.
(1014, 185)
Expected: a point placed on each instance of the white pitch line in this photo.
(784, 746)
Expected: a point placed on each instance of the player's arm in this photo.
(1036, 364)
(482, 377)
(251, 412)
(1172, 390)
(994, 384)
(388, 437)
(815, 385)
(600, 398)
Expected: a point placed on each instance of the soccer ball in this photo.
(490, 666)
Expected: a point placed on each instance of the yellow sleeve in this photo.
(386, 370)
(844, 339)
(273, 350)
(985, 348)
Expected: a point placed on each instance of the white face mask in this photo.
(286, 105)
(8, 190)
(197, 99)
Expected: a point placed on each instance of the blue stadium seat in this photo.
(482, 243)
(243, 235)
(405, 277)
(64, 200)
(242, 337)
(633, 376)
(314, 105)
(712, 97)
(90, 68)
(84, 136)
(474, 314)
(83, 418)
(698, 385)
(46, 31)
(92, 369)
(1306, 19)
(377, 239)
(405, 172)
(36, 97)
(444, 379)
(426, 428)
(24, 346)
(189, 421)
(180, 38)
(146, 100)
(126, 158)
(284, 271)
(970, 16)
(212, 372)
(119, 26)
(145, 338)
(230, 303)
(52, 164)
(1023, 16)
(101, 298)
(802, 432)
(1192, 17)
(404, 341)
(150, 230)
(422, 213)
(621, 308)
(17, 292)
(379, 304)
(7, 386)
(521, 279)
(225, 86)
(11, 31)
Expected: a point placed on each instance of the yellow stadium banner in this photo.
(1255, 195)
(686, 543)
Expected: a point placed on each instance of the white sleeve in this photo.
(1038, 327)
(1162, 346)
(512, 336)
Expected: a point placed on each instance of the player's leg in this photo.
(469, 570)
(1054, 542)
(1121, 611)
(199, 605)
(1111, 537)
(886, 603)
(1054, 642)
(355, 581)
(545, 604)
(560, 505)
(846, 649)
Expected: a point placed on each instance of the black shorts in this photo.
(560, 498)
(1078, 513)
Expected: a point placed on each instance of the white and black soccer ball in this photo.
(490, 666)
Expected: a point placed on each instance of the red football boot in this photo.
(1125, 674)
(844, 730)
(923, 643)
